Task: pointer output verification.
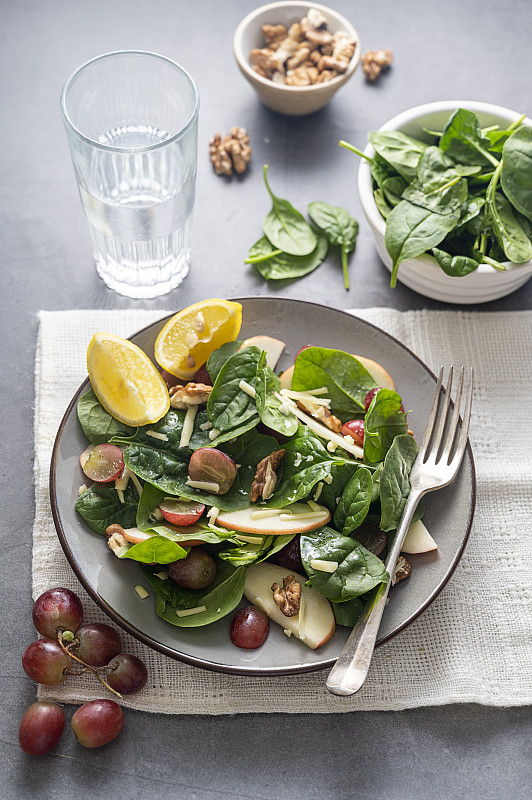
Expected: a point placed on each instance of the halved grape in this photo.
(290, 556)
(196, 571)
(355, 429)
(127, 675)
(104, 464)
(97, 722)
(98, 644)
(249, 628)
(41, 727)
(45, 662)
(181, 512)
(57, 609)
(211, 465)
(371, 394)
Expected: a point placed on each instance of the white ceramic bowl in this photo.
(423, 274)
(291, 100)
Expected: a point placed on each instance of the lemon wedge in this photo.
(125, 381)
(191, 335)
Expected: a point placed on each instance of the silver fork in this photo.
(436, 465)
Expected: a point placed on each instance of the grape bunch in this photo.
(96, 647)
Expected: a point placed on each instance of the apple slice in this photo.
(135, 536)
(286, 378)
(418, 539)
(273, 347)
(317, 623)
(382, 378)
(250, 520)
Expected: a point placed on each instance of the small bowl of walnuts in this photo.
(296, 55)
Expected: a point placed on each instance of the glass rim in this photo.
(114, 148)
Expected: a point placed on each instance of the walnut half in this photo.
(231, 153)
(374, 61)
(193, 394)
(288, 597)
(266, 476)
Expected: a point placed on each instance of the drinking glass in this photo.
(131, 123)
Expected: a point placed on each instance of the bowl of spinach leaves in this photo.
(446, 188)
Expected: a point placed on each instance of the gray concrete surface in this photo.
(455, 49)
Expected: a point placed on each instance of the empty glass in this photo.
(131, 122)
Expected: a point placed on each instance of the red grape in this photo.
(181, 512)
(40, 728)
(370, 395)
(98, 644)
(196, 571)
(170, 379)
(202, 376)
(371, 537)
(105, 463)
(355, 429)
(127, 674)
(290, 556)
(45, 662)
(97, 722)
(210, 464)
(249, 628)
(57, 609)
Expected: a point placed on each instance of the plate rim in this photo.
(203, 663)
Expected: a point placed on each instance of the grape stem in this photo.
(87, 668)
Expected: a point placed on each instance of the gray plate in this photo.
(110, 582)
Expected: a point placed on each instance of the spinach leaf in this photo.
(463, 140)
(286, 228)
(100, 507)
(358, 570)
(268, 405)
(383, 422)
(381, 203)
(348, 613)
(255, 552)
(347, 381)
(339, 474)
(456, 266)
(401, 151)
(435, 170)
(395, 483)
(446, 200)
(340, 228)
(381, 170)
(516, 174)
(276, 265)
(393, 188)
(354, 502)
(98, 425)
(510, 235)
(220, 597)
(228, 406)
(156, 550)
(219, 356)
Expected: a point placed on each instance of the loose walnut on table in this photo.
(232, 153)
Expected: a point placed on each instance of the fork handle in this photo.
(351, 668)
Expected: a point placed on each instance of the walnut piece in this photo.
(115, 537)
(402, 570)
(266, 476)
(322, 414)
(288, 597)
(295, 56)
(232, 153)
(192, 394)
(374, 61)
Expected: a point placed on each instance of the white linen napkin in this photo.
(473, 644)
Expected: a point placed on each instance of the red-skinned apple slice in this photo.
(382, 378)
(314, 626)
(181, 512)
(250, 520)
(273, 347)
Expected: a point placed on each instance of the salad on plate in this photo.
(231, 484)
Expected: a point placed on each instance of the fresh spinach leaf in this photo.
(383, 422)
(401, 151)
(268, 404)
(358, 570)
(509, 233)
(228, 406)
(463, 140)
(354, 502)
(349, 612)
(219, 356)
(381, 170)
(340, 228)
(347, 381)
(381, 203)
(286, 228)
(395, 483)
(516, 174)
(393, 188)
(436, 170)
(156, 550)
(455, 266)
(281, 266)
(98, 425)
(100, 507)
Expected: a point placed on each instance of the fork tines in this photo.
(446, 435)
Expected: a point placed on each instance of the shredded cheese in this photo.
(247, 388)
(250, 539)
(207, 486)
(324, 566)
(304, 515)
(328, 479)
(213, 433)
(162, 575)
(141, 591)
(120, 493)
(332, 446)
(123, 480)
(205, 426)
(319, 490)
(313, 505)
(287, 631)
(82, 488)
(188, 426)
(136, 482)
(308, 396)
(266, 512)
(297, 460)
(156, 435)
(212, 514)
(188, 612)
